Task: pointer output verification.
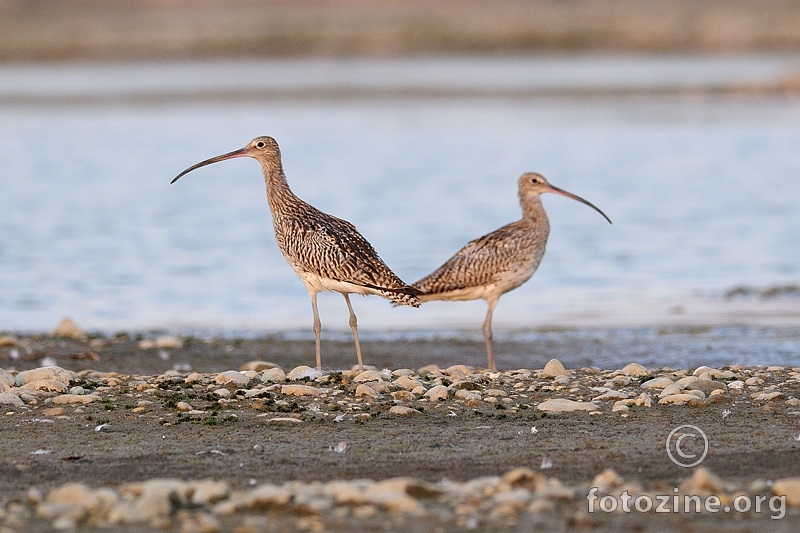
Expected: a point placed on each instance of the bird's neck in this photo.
(533, 210)
(279, 195)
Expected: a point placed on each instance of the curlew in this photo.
(328, 253)
(494, 264)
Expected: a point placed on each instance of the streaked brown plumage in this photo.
(494, 264)
(328, 253)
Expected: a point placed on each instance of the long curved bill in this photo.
(242, 152)
(562, 192)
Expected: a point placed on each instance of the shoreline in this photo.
(265, 448)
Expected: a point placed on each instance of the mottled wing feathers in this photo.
(332, 248)
(510, 250)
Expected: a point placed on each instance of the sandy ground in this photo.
(751, 441)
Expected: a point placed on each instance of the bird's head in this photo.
(532, 183)
(264, 149)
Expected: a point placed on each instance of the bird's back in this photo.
(493, 264)
(330, 252)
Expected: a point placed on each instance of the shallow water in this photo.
(702, 190)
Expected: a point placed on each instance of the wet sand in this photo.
(483, 428)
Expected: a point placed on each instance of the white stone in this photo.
(402, 410)
(368, 375)
(300, 390)
(439, 392)
(7, 378)
(45, 385)
(562, 405)
(273, 375)
(366, 391)
(153, 499)
(463, 394)
(671, 390)
(232, 376)
(209, 491)
(302, 372)
(554, 368)
(8, 398)
(702, 481)
(677, 399)
(168, 342)
(258, 366)
(73, 399)
(67, 329)
(656, 383)
(634, 369)
(462, 370)
(620, 407)
(612, 395)
(768, 396)
(183, 407)
(55, 373)
(607, 480)
(736, 385)
(407, 383)
(789, 487)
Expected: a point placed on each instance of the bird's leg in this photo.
(317, 326)
(354, 327)
(487, 334)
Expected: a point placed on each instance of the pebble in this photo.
(611, 395)
(656, 383)
(258, 366)
(554, 368)
(562, 405)
(8, 340)
(405, 382)
(303, 372)
(789, 487)
(7, 378)
(402, 410)
(8, 398)
(75, 399)
(54, 373)
(438, 392)
(368, 375)
(634, 369)
(703, 482)
(607, 480)
(366, 391)
(67, 329)
(677, 399)
(768, 396)
(707, 385)
(737, 385)
(300, 390)
(233, 377)
(53, 411)
(273, 375)
(46, 385)
(463, 394)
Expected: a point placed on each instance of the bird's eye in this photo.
(534, 180)
(260, 144)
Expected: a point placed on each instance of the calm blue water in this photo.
(703, 190)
